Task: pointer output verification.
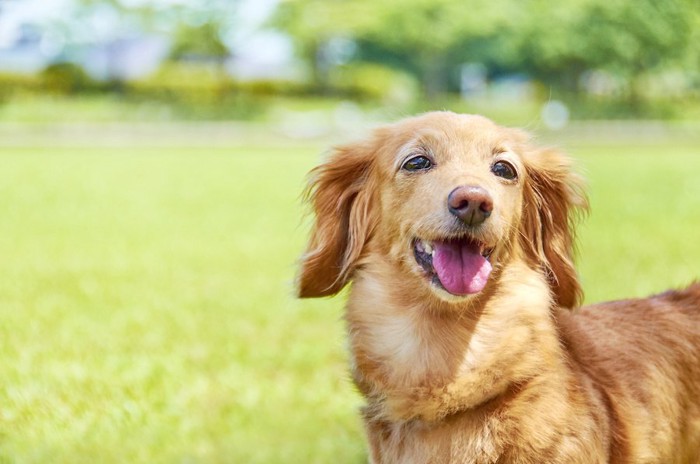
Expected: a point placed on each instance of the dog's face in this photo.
(447, 199)
(450, 199)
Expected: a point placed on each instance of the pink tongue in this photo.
(460, 267)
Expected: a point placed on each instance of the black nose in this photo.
(470, 203)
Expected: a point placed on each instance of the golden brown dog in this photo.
(465, 332)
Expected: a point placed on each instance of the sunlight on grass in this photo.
(641, 234)
(148, 313)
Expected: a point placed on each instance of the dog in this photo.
(466, 333)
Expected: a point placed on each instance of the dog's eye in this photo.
(505, 170)
(417, 163)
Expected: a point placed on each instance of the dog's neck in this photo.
(405, 348)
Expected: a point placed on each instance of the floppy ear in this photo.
(554, 199)
(341, 197)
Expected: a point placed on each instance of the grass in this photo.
(641, 235)
(147, 311)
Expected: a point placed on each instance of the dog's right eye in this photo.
(417, 163)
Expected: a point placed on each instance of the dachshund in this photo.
(465, 328)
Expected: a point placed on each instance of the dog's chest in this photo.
(462, 440)
(401, 344)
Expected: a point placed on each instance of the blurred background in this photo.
(294, 63)
(152, 156)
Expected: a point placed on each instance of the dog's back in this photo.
(643, 356)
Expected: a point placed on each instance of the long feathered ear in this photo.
(554, 199)
(340, 193)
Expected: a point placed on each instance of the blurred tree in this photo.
(428, 33)
(66, 78)
(560, 41)
(552, 42)
(199, 41)
(314, 23)
(420, 34)
(691, 61)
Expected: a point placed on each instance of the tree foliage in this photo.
(201, 40)
(621, 36)
(554, 42)
(419, 34)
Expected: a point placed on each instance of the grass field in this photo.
(146, 309)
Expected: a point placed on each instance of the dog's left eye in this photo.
(417, 163)
(505, 170)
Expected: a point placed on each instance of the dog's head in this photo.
(448, 200)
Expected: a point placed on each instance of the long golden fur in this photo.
(514, 372)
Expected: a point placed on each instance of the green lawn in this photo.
(146, 308)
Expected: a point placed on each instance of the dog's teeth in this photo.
(428, 247)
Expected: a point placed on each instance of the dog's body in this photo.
(457, 236)
(525, 382)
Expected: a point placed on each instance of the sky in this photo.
(105, 21)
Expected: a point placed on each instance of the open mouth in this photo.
(459, 266)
